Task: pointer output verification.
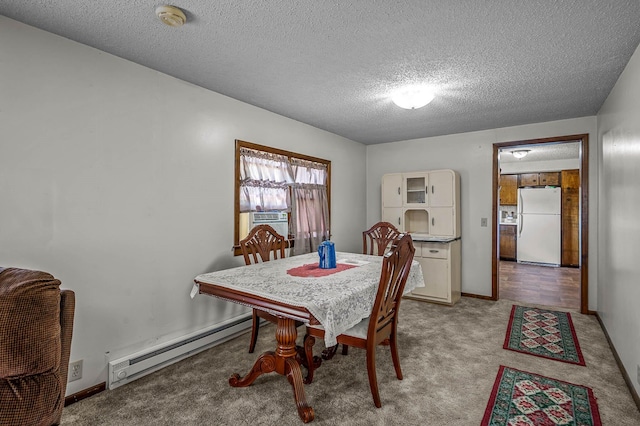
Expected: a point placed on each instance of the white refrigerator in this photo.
(539, 239)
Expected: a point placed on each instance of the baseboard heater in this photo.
(132, 367)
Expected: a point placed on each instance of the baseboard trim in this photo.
(627, 379)
(86, 393)
(477, 296)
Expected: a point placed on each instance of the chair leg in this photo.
(254, 331)
(394, 356)
(371, 372)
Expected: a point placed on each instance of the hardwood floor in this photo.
(541, 285)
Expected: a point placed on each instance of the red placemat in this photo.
(313, 270)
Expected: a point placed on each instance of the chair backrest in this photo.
(376, 239)
(393, 277)
(261, 244)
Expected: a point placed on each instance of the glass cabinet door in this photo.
(415, 189)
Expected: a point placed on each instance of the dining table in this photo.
(296, 289)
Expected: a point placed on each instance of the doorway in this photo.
(543, 277)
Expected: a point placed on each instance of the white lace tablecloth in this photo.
(338, 301)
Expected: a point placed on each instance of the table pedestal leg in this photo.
(282, 361)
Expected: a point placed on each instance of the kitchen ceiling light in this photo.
(413, 98)
(520, 153)
(171, 15)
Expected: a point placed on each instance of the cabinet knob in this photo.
(398, 190)
(434, 251)
(433, 221)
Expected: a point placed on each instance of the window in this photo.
(282, 182)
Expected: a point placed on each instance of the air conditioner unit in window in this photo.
(279, 221)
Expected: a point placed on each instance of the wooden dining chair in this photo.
(382, 324)
(262, 245)
(378, 238)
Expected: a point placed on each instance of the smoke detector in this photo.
(171, 15)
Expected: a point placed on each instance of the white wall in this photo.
(471, 154)
(118, 180)
(539, 166)
(619, 228)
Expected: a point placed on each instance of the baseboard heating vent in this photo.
(132, 367)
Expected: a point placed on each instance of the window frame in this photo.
(289, 154)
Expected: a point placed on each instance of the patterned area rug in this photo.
(519, 398)
(549, 334)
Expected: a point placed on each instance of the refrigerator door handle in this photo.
(520, 202)
(519, 213)
(520, 225)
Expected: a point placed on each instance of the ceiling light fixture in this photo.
(413, 98)
(520, 153)
(171, 15)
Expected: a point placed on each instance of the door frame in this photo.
(584, 212)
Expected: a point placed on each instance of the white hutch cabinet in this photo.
(427, 205)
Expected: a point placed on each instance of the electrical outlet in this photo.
(483, 222)
(75, 371)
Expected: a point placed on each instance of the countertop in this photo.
(429, 239)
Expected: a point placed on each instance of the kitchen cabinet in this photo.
(508, 247)
(394, 216)
(570, 228)
(441, 186)
(423, 203)
(392, 190)
(508, 190)
(440, 263)
(528, 179)
(416, 189)
(427, 205)
(539, 179)
(549, 178)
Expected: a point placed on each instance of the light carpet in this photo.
(449, 358)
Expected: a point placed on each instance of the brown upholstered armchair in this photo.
(36, 324)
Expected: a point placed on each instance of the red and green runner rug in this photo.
(519, 398)
(544, 333)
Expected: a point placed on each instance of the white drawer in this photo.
(434, 250)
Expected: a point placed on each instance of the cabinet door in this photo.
(393, 215)
(436, 278)
(570, 179)
(392, 190)
(441, 221)
(508, 190)
(508, 242)
(415, 189)
(549, 178)
(529, 179)
(570, 218)
(441, 188)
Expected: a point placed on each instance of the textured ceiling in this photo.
(542, 152)
(333, 64)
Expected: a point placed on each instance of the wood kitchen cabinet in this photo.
(528, 179)
(508, 244)
(508, 190)
(540, 179)
(549, 178)
(570, 228)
